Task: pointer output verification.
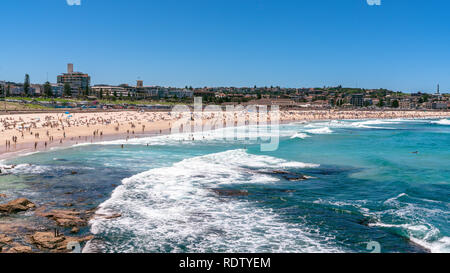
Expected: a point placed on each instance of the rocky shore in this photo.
(52, 240)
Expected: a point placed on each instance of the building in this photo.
(439, 105)
(357, 100)
(57, 89)
(406, 104)
(108, 91)
(78, 81)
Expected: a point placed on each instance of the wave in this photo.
(442, 122)
(400, 214)
(364, 124)
(252, 133)
(29, 169)
(300, 135)
(174, 209)
(413, 220)
(320, 131)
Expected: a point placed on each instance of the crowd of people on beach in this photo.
(26, 130)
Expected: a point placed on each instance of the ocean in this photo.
(335, 186)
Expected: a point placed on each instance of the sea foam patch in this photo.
(174, 209)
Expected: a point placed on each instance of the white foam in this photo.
(320, 131)
(28, 169)
(442, 122)
(173, 209)
(300, 135)
(248, 134)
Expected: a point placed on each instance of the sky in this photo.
(402, 45)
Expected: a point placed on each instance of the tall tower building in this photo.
(78, 81)
(438, 91)
(69, 68)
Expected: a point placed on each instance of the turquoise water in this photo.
(365, 184)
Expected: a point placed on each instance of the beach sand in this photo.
(24, 133)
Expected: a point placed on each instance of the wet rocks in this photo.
(5, 239)
(48, 241)
(291, 176)
(231, 192)
(18, 205)
(16, 248)
(108, 216)
(75, 230)
(7, 245)
(2, 195)
(66, 218)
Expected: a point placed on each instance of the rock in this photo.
(18, 205)
(74, 172)
(108, 216)
(75, 230)
(5, 239)
(68, 205)
(19, 249)
(48, 241)
(291, 176)
(231, 192)
(65, 218)
(2, 195)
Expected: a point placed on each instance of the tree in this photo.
(8, 91)
(48, 90)
(26, 85)
(115, 94)
(380, 103)
(86, 91)
(67, 90)
(395, 104)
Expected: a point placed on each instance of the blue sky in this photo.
(401, 45)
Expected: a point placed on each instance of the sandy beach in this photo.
(23, 133)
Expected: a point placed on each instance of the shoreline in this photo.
(63, 213)
(163, 127)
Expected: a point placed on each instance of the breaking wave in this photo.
(175, 209)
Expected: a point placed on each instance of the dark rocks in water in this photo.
(231, 192)
(290, 176)
(2, 195)
(5, 239)
(108, 216)
(364, 222)
(74, 230)
(48, 241)
(17, 248)
(68, 205)
(7, 245)
(73, 173)
(65, 218)
(18, 205)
